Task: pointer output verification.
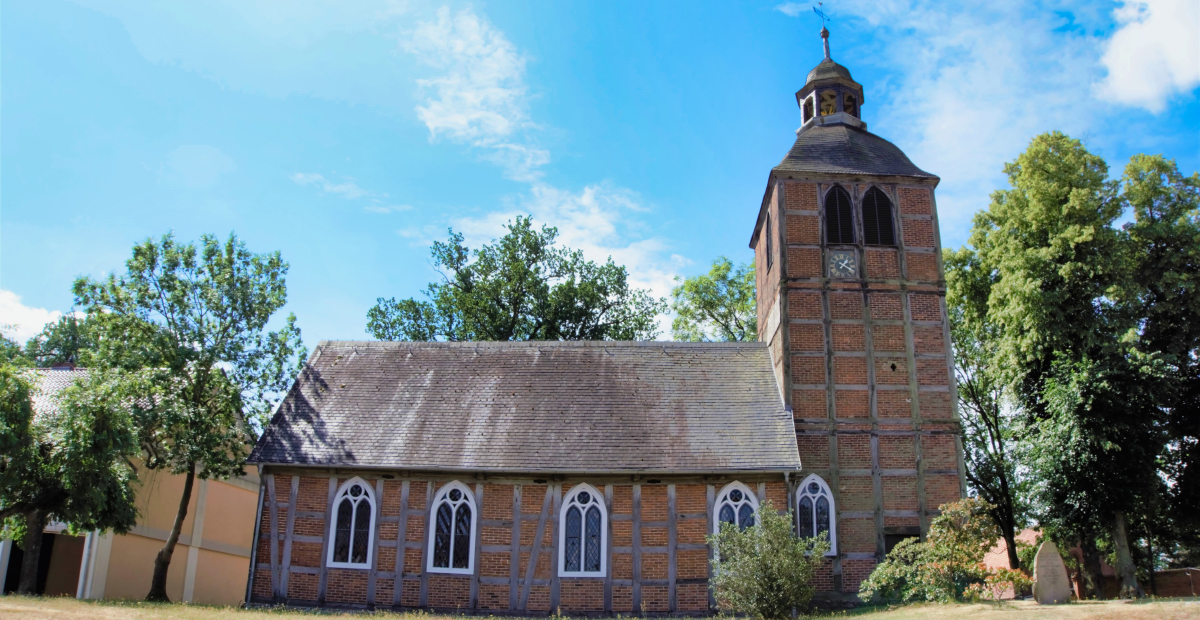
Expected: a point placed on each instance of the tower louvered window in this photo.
(839, 218)
(877, 219)
(354, 520)
(453, 531)
(769, 249)
(583, 536)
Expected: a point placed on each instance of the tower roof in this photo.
(828, 69)
(846, 149)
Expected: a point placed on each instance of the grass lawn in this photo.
(22, 608)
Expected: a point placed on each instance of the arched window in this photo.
(850, 104)
(353, 523)
(839, 218)
(815, 512)
(828, 102)
(583, 537)
(808, 109)
(736, 504)
(452, 536)
(877, 218)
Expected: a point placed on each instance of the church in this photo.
(583, 477)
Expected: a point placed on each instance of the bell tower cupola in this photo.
(830, 96)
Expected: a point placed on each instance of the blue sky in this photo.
(348, 135)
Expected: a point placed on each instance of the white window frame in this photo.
(825, 491)
(751, 498)
(568, 501)
(438, 499)
(369, 497)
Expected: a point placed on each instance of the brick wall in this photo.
(870, 380)
(661, 534)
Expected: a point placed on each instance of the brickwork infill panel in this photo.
(808, 369)
(893, 403)
(850, 370)
(941, 489)
(915, 201)
(847, 337)
(857, 493)
(814, 451)
(891, 371)
(882, 264)
(886, 307)
(925, 307)
(923, 267)
(845, 305)
(809, 404)
(897, 452)
(800, 196)
(932, 371)
(940, 452)
(856, 535)
(852, 404)
(935, 405)
(929, 339)
(918, 233)
(888, 338)
(804, 262)
(854, 451)
(805, 305)
(807, 337)
(803, 229)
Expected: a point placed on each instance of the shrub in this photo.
(945, 565)
(765, 570)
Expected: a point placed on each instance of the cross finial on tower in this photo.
(824, 30)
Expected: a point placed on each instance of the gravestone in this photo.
(1051, 585)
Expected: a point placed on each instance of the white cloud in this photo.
(347, 188)
(480, 98)
(1154, 54)
(198, 165)
(382, 208)
(21, 322)
(791, 9)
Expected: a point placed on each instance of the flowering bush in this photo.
(947, 566)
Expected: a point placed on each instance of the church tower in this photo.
(851, 300)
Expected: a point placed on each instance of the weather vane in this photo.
(824, 17)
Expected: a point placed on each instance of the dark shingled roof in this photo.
(650, 407)
(827, 69)
(844, 149)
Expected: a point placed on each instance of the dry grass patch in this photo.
(22, 608)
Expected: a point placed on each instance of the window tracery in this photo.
(816, 513)
(583, 538)
(353, 523)
(735, 505)
(453, 532)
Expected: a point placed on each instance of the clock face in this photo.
(843, 264)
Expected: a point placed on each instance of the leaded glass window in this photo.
(453, 530)
(815, 515)
(584, 536)
(736, 505)
(354, 521)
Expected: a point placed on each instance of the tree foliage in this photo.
(68, 462)
(717, 306)
(946, 567)
(69, 340)
(193, 320)
(521, 287)
(765, 570)
(1086, 333)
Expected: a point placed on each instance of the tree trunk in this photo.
(1014, 561)
(162, 561)
(35, 522)
(1093, 576)
(1130, 588)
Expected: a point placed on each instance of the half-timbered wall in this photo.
(658, 561)
(867, 365)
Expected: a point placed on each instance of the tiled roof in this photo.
(844, 149)
(535, 407)
(827, 69)
(47, 383)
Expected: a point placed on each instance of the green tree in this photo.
(522, 287)
(10, 351)
(719, 305)
(765, 570)
(945, 566)
(196, 318)
(1163, 295)
(67, 462)
(68, 340)
(989, 427)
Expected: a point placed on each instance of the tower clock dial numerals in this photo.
(843, 264)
